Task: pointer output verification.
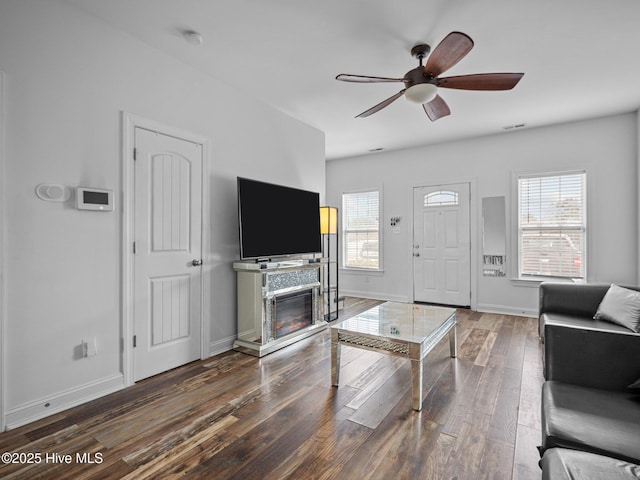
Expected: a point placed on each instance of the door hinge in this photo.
(135, 153)
(135, 341)
(134, 248)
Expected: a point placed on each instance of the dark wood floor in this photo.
(236, 416)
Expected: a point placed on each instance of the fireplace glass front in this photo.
(293, 312)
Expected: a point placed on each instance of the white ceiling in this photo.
(580, 59)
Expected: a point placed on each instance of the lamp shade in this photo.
(421, 92)
(328, 220)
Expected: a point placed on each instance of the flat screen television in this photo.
(276, 220)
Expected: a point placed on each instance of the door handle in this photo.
(196, 263)
(416, 254)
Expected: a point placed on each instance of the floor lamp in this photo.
(329, 232)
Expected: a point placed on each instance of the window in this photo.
(552, 225)
(441, 199)
(361, 230)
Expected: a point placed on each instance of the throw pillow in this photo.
(622, 306)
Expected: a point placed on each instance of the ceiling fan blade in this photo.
(449, 51)
(381, 105)
(436, 108)
(345, 77)
(482, 81)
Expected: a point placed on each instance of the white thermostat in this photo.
(94, 199)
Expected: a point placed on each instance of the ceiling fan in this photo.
(422, 83)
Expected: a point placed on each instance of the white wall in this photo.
(638, 191)
(68, 77)
(605, 147)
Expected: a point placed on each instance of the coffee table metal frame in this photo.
(415, 350)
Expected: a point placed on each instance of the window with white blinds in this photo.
(361, 230)
(552, 225)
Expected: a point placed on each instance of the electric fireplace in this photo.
(278, 303)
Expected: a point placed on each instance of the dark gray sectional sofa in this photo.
(590, 415)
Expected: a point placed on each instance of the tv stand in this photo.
(279, 303)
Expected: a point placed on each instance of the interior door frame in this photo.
(3, 317)
(473, 232)
(129, 123)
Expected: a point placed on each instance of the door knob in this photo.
(417, 254)
(196, 263)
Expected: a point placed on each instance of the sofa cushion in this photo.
(580, 300)
(571, 298)
(577, 321)
(591, 353)
(598, 421)
(564, 464)
(622, 306)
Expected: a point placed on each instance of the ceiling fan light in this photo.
(421, 93)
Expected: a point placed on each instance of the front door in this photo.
(441, 244)
(167, 259)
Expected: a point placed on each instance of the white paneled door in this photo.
(441, 245)
(168, 252)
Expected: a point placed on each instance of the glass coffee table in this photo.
(401, 329)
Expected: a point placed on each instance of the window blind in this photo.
(360, 227)
(552, 225)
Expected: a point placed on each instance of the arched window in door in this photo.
(441, 198)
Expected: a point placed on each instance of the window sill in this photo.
(534, 282)
(361, 271)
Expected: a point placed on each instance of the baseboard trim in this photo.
(221, 346)
(506, 310)
(44, 407)
(481, 307)
(375, 296)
